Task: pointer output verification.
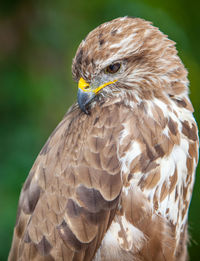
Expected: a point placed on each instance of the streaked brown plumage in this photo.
(115, 182)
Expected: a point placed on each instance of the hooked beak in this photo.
(86, 93)
(84, 98)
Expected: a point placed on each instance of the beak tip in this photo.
(84, 98)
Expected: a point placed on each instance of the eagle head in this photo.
(129, 59)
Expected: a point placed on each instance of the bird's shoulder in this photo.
(72, 191)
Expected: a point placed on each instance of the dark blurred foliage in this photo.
(38, 40)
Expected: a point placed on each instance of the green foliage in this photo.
(38, 40)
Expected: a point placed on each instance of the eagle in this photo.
(114, 180)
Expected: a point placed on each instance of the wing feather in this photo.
(72, 192)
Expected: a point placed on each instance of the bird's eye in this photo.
(113, 68)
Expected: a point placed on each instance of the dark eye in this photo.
(113, 68)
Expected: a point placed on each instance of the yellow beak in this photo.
(84, 86)
(86, 93)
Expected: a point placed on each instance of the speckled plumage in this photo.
(115, 184)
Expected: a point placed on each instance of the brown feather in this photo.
(72, 213)
(115, 184)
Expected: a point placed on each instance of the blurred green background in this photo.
(38, 40)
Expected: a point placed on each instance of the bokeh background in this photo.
(38, 40)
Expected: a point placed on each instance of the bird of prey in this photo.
(114, 180)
